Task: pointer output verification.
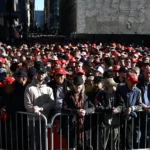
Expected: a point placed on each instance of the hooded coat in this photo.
(39, 95)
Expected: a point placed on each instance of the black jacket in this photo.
(14, 101)
(141, 85)
(104, 107)
(70, 108)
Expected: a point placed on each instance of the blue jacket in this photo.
(130, 97)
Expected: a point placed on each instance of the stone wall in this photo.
(113, 16)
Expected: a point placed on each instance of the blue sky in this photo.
(39, 4)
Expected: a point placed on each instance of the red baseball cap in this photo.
(134, 60)
(9, 81)
(113, 44)
(60, 71)
(64, 61)
(73, 60)
(129, 48)
(116, 68)
(80, 71)
(115, 53)
(61, 50)
(58, 62)
(2, 60)
(37, 50)
(132, 77)
(1, 84)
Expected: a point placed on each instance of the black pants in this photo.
(72, 139)
(16, 132)
(37, 135)
(129, 133)
(145, 133)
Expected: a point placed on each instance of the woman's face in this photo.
(78, 88)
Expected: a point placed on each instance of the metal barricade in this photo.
(26, 131)
(132, 132)
(23, 131)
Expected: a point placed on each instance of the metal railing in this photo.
(23, 131)
(27, 131)
(132, 132)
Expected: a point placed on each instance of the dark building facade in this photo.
(47, 15)
(63, 16)
(32, 15)
(2, 11)
(16, 16)
(68, 15)
(54, 16)
(9, 17)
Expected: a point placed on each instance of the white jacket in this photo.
(39, 95)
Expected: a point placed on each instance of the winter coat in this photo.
(39, 95)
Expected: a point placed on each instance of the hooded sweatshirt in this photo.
(39, 95)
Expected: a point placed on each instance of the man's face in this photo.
(128, 63)
(131, 84)
(79, 66)
(97, 73)
(98, 85)
(96, 58)
(21, 80)
(147, 74)
(122, 75)
(60, 78)
(122, 62)
(40, 76)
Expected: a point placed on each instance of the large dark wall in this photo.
(68, 11)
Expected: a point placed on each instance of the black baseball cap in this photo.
(77, 80)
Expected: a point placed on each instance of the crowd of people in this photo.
(81, 79)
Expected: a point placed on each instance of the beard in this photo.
(40, 79)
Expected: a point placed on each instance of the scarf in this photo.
(78, 100)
